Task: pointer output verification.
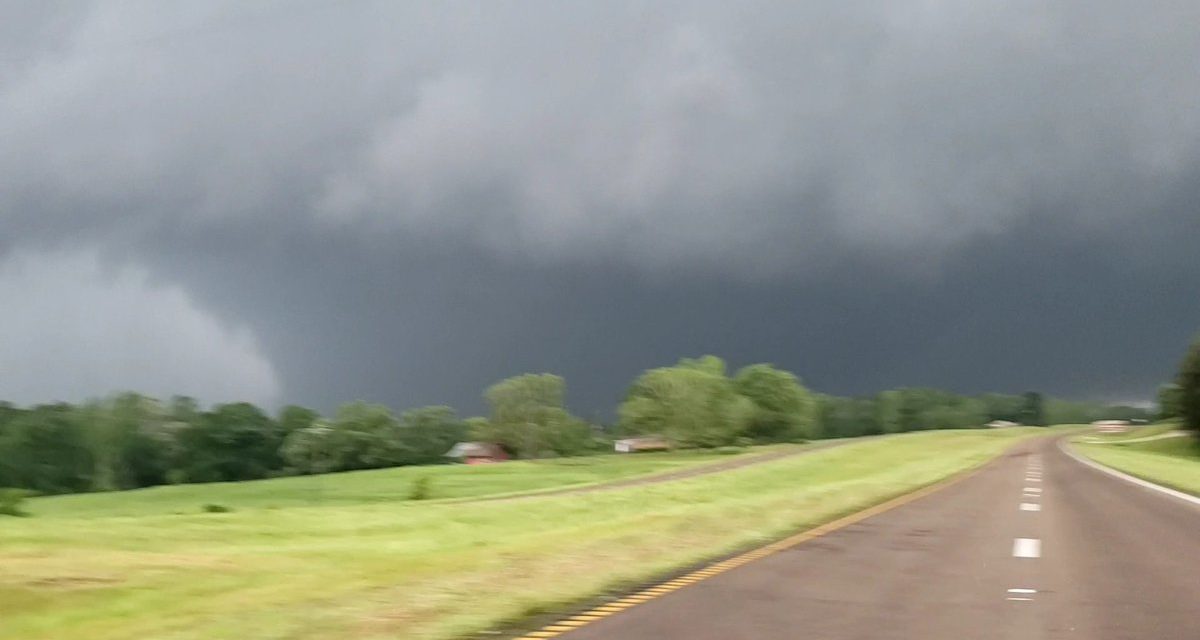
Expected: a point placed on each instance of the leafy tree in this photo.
(8, 413)
(425, 435)
(184, 409)
(1032, 409)
(232, 442)
(887, 411)
(999, 406)
(784, 411)
(45, 449)
(711, 364)
(319, 448)
(528, 418)
(1189, 388)
(693, 404)
(1170, 399)
(851, 417)
(293, 418)
(131, 446)
(364, 434)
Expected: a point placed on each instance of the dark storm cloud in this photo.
(406, 202)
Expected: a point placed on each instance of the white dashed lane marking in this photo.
(1020, 594)
(1029, 506)
(1027, 548)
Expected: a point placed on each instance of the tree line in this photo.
(1180, 398)
(130, 440)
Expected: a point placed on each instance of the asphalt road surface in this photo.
(1035, 545)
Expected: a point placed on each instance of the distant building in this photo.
(1001, 424)
(477, 452)
(646, 443)
(1111, 426)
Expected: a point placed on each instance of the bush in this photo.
(421, 488)
(216, 508)
(11, 500)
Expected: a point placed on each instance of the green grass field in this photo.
(1148, 431)
(95, 567)
(382, 485)
(1171, 462)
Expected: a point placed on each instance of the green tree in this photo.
(1189, 388)
(319, 448)
(851, 417)
(131, 446)
(236, 441)
(999, 406)
(365, 436)
(424, 435)
(693, 404)
(529, 420)
(887, 411)
(294, 417)
(784, 411)
(46, 449)
(1032, 409)
(8, 413)
(184, 409)
(1170, 399)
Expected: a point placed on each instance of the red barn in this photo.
(477, 452)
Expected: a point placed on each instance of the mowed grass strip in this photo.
(427, 571)
(387, 485)
(1137, 433)
(1171, 462)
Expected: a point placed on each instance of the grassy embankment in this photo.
(402, 569)
(1138, 433)
(1171, 462)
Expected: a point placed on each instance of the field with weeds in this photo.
(357, 566)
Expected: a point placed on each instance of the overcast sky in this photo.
(316, 201)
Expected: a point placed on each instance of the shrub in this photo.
(216, 508)
(421, 488)
(11, 500)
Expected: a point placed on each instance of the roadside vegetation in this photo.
(424, 570)
(1147, 453)
(1171, 462)
(131, 441)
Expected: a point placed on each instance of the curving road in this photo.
(1034, 546)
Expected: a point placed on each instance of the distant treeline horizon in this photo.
(129, 440)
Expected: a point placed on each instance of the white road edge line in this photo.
(1029, 506)
(1027, 548)
(1186, 497)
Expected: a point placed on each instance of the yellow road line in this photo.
(651, 593)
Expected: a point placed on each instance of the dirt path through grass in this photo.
(728, 465)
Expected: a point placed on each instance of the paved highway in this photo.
(1034, 546)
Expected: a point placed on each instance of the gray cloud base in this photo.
(872, 195)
